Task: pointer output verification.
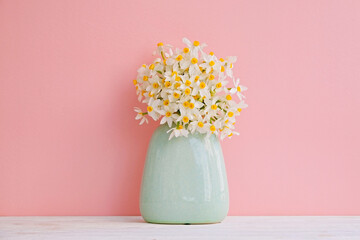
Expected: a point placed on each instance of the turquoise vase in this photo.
(184, 180)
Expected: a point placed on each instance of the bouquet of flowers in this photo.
(188, 89)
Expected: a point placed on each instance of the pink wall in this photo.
(69, 144)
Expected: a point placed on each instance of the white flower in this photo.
(190, 91)
(238, 89)
(140, 115)
(169, 118)
(184, 118)
(227, 132)
(211, 64)
(161, 48)
(194, 47)
(202, 88)
(178, 131)
(230, 62)
(154, 86)
(214, 127)
(212, 105)
(220, 86)
(199, 126)
(153, 108)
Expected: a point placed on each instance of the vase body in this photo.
(184, 180)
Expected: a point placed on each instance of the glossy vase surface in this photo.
(184, 180)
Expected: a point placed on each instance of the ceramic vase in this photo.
(184, 180)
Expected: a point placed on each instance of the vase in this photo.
(184, 180)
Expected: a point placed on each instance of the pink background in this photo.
(69, 144)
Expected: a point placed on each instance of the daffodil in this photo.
(203, 90)
(238, 89)
(188, 90)
(210, 66)
(219, 86)
(198, 125)
(154, 86)
(230, 61)
(140, 115)
(214, 127)
(153, 108)
(195, 46)
(169, 118)
(227, 132)
(212, 107)
(178, 131)
(162, 49)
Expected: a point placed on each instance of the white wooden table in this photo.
(249, 228)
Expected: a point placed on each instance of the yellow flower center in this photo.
(238, 89)
(150, 95)
(202, 85)
(239, 109)
(144, 66)
(152, 66)
(166, 102)
(230, 134)
(201, 69)
(177, 78)
(160, 44)
(135, 82)
(179, 58)
(200, 124)
(167, 84)
(188, 83)
(191, 105)
(196, 43)
(177, 85)
(228, 97)
(221, 59)
(197, 78)
(186, 50)
(222, 69)
(186, 104)
(212, 128)
(230, 114)
(187, 91)
(155, 85)
(185, 119)
(174, 73)
(211, 77)
(213, 107)
(231, 66)
(168, 114)
(194, 60)
(211, 63)
(176, 95)
(149, 108)
(211, 53)
(218, 85)
(180, 127)
(145, 78)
